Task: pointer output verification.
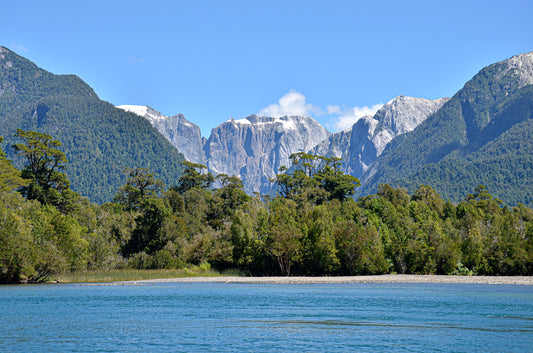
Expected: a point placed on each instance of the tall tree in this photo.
(284, 234)
(194, 177)
(226, 200)
(140, 185)
(148, 235)
(45, 163)
(315, 179)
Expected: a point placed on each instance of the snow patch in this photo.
(523, 66)
(286, 122)
(140, 110)
(144, 111)
(240, 121)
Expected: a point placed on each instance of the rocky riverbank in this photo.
(520, 280)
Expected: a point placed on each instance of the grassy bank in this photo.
(134, 275)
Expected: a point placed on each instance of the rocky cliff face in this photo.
(181, 133)
(519, 68)
(255, 148)
(360, 146)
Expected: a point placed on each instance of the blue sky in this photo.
(216, 60)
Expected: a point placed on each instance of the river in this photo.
(222, 317)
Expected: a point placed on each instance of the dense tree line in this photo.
(312, 227)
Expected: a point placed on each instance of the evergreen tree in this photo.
(140, 185)
(45, 163)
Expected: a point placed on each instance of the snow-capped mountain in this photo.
(255, 148)
(405, 135)
(359, 146)
(183, 134)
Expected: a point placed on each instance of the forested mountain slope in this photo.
(98, 139)
(481, 136)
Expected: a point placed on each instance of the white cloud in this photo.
(292, 103)
(340, 118)
(333, 109)
(348, 117)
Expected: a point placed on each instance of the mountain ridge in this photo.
(360, 145)
(471, 119)
(408, 142)
(98, 139)
(180, 132)
(370, 149)
(259, 146)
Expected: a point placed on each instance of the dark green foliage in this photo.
(481, 136)
(98, 139)
(44, 163)
(148, 234)
(226, 200)
(284, 235)
(390, 231)
(193, 177)
(141, 184)
(315, 179)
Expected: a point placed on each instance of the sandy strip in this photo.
(521, 280)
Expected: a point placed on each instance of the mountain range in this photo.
(253, 148)
(365, 141)
(482, 135)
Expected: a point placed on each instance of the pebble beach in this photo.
(517, 280)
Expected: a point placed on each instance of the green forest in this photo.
(98, 139)
(483, 135)
(313, 226)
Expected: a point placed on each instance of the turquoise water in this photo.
(218, 317)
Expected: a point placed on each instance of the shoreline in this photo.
(433, 279)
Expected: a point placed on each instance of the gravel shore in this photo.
(521, 280)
